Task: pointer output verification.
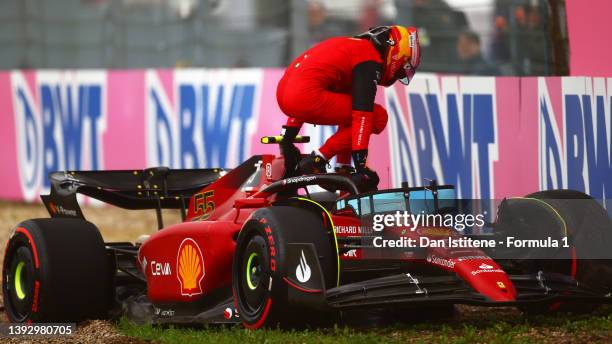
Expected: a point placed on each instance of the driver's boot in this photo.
(345, 170)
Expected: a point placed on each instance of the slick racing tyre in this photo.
(558, 214)
(56, 270)
(260, 264)
(590, 230)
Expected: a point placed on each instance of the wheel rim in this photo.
(19, 288)
(252, 291)
(18, 283)
(253, 271)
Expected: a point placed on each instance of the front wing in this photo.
(404, 289)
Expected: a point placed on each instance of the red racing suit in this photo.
(334, 83)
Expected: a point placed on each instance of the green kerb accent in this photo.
(248, 271)
(20, 293)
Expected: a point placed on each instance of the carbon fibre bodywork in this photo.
(182, 273)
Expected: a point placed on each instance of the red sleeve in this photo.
(362, 50)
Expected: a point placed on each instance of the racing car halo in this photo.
(256, 247)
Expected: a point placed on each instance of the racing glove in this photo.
(365, 179)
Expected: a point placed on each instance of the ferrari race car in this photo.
(259, 247)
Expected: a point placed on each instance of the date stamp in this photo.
(37, 330)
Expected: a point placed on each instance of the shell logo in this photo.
(190, 267)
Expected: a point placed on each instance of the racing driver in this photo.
(334, 83)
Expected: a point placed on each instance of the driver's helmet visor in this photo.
(407, 73)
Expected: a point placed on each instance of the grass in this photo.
(480, 326)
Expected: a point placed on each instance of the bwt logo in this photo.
(210, 122)
(576, 154)
(59, 122)
(447, 134)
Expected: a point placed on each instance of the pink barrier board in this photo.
(491, 137)
(589, 27)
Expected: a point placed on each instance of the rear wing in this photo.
(152, 188)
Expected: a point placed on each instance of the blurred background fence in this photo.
(479, 37)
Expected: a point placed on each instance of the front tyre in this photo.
(558, 214)
(20, 291)
(590, 227)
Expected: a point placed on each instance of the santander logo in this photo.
(482, 268)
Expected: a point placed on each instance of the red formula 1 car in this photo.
(258, 248)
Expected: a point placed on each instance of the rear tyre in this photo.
(56, 270)
(260, 263)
